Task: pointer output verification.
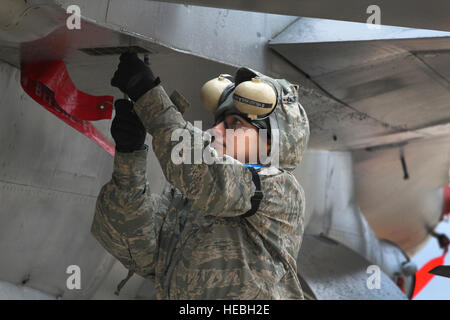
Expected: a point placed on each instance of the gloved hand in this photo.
(133, 77)
(127, 129)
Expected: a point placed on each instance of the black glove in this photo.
(127, 129)
(133, 77)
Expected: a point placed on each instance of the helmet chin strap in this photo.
(256, 166)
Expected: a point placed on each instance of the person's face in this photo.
(236, 137)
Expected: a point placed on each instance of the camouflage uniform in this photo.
(193, 241)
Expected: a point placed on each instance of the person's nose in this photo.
(219, 130)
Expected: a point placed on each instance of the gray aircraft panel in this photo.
(319, 46)
(50, 176)
(436, 60)
(312, 30)
(333, 122)
(328, 117)
(402, 91)
(400, 79)
(9, 291)
(402, 210)
(42, 151)
(334, 272)
(175, 67)
(416, 14)
(44, 232)
(57, 168)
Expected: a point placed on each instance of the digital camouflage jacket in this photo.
(193, 240)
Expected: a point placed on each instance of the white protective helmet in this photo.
(254, 99)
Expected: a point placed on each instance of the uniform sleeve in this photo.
(128, 217)
(222, 188)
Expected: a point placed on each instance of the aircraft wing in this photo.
(378, 101)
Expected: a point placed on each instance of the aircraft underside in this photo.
(375, 175)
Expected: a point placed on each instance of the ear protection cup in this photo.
(212, 92)
(255, 98)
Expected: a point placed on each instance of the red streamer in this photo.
(423, 277)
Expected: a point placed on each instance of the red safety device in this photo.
(49, 84)
(423, 276)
